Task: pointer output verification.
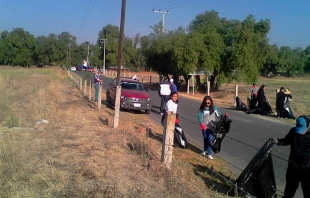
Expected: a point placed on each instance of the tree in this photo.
(3, 47)
(307, 67)
(111, 33)
(232, 50)
(18, 47)
(292, 61)
(272, 60)
(250, 49)
(209, 26)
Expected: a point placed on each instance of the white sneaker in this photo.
(210, 157)
(161, 113)
(203, 153)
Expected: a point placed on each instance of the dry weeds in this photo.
(79, 154)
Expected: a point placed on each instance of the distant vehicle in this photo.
(73, 68)
(90, 69)
(133, 95)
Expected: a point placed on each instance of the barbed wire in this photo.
(233, 184)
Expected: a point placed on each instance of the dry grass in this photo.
(79, 154)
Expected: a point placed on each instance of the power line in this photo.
(86, 16)
(163, 17)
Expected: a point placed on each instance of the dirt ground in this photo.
(78, 153)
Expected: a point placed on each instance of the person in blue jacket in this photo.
(173, 87)
(206, 114)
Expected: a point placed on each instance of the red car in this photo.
(91, 69)
(133, 95)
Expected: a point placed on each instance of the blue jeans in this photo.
(96, 92)
(207, 137)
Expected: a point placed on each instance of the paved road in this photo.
(248, 133)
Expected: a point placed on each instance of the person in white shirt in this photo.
(171, 105)
(164, 93)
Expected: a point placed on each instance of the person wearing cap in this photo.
(280, 102)
(173, 87)
(299, 160)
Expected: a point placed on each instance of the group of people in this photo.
(166, 90)
(207, 113)
(298, 138)
(258, 96)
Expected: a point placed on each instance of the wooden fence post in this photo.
(236, 93)
(208, 87)
(167, 147)
(142, 78)
(81, 84)
(89, 91)
(150, 79)
(99, 96)
(85, 85)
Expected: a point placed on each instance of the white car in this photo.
(73, 68)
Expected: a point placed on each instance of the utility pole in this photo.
(119, 64)
(87, 59)
(69, 54)
(163, 20)
(103, 41)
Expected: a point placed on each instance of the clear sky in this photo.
(290, 19)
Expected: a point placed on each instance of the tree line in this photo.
(227, 49)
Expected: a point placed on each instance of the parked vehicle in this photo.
(90, 69)
(133, 95)
(73, 68)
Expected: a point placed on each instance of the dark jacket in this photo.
(261, 95)
(300, 149)
(280, 97)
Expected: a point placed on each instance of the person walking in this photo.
(298, 169)
(206, 114)
(173, 86)
(261, 98)
(280, 102)
(97, 82)
(164, 94)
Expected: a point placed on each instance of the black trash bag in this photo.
(267, 107)
(258, 178)
(252, 107)
(180, 139)
(219, 130)
(240, 105)
(287, 112)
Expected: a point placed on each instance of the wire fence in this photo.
(149, 128)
